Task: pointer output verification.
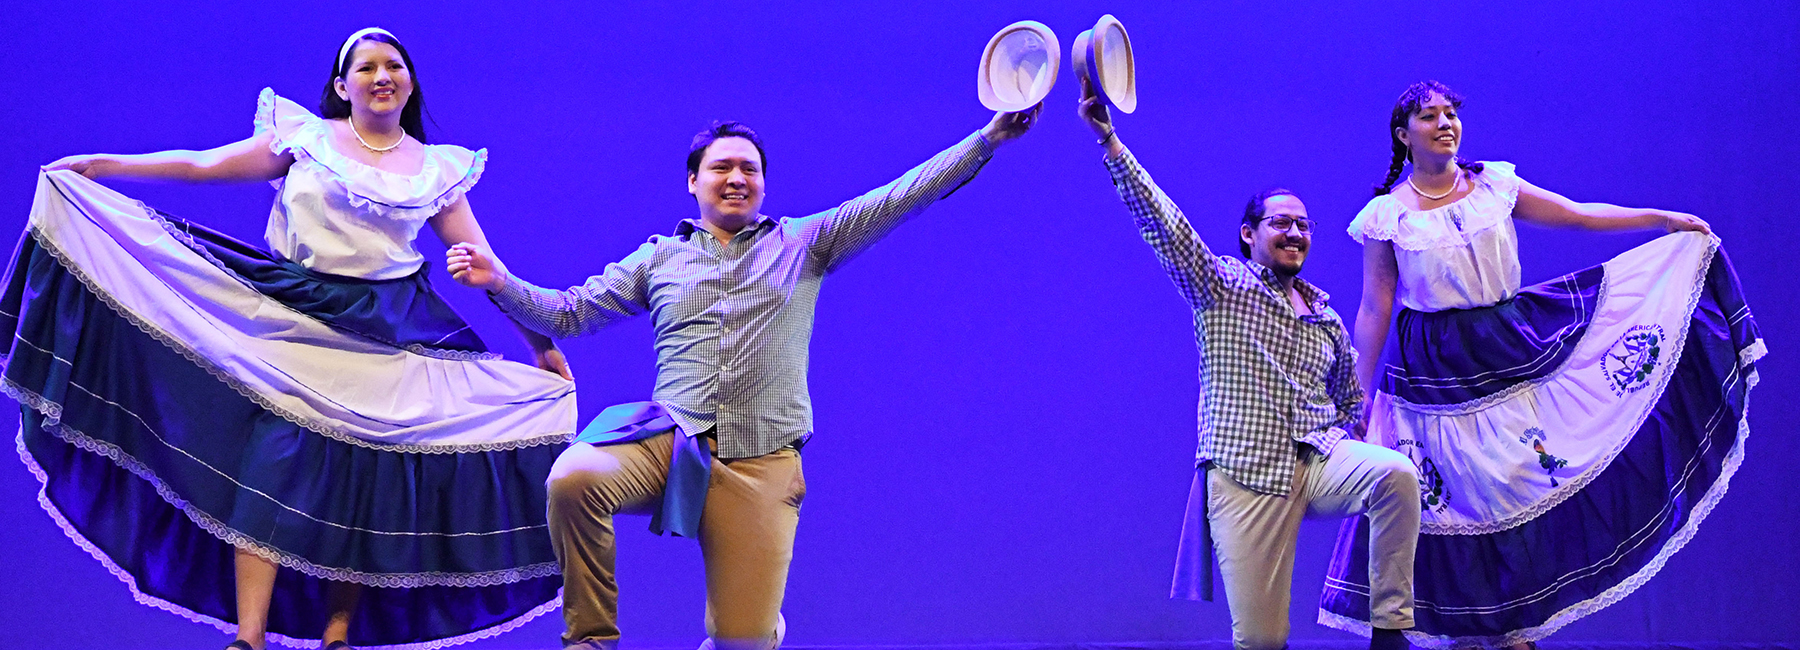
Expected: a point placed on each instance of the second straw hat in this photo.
(1019, 66)
(1102, 57)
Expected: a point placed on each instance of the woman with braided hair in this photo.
(297, 443)
(1571, 435)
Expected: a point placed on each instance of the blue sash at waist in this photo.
(690, 464)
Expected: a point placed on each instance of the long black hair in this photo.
(1410, 102)
(412, 116)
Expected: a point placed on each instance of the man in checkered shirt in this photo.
(732, 297)
(1278, 394)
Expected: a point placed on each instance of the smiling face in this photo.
(1434, 132)
(728, 185)
(1282, 250)
(377, 81)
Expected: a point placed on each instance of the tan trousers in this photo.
(746, 536)
(1255, 534)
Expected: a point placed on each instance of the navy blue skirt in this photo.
(160, 464)
(1537, 511)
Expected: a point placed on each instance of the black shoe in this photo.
(239, 644)
(337, 645)
(1383, 639)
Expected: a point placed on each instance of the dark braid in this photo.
(1395, 166)
(1410, 102)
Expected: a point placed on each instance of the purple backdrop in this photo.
(1005, 388)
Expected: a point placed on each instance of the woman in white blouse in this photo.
(315, 406)
(1570, 435)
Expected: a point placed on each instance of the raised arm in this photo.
(1546, 208)
(245, 160)
(1183, 255)
(456, 224)
(1381, 274)
(841, 233)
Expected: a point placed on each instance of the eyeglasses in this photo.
(1282, 224)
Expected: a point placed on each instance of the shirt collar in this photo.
(690, 226)
(1316, 299)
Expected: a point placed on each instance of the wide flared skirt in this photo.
(187, 396)
(1569, 441)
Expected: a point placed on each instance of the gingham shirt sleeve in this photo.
(617, 293)
(1341, 382)
(839, 234)
(1186, 259)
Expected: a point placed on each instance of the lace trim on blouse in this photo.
(1491, 202)
(449, 170)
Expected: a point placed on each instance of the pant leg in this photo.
(1254, 536)
(588, 484)
(747, 539)
(1364, 479)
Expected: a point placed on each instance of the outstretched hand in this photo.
(1008, 125)
(1680, 221)
(89, 166)
(473, 267)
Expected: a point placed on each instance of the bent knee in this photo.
(576, 488)
(1390, 464)
(1402, 471)
(588, 481)
(580, 464)
(1401, 479)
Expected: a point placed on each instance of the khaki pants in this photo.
(1255, 534)
(746, 536)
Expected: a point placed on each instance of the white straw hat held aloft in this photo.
(1102, 56)
(1019, 66)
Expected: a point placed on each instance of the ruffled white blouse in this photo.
(1457, 256)
(336, 215)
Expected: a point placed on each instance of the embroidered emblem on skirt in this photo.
(1535, 437)
(1433, 497)
(1632, 360)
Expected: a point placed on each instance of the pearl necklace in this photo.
(391, 147)
(1454, 183)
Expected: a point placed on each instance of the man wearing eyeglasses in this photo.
(1278, 401)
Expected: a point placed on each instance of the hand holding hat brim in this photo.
(1008, 125)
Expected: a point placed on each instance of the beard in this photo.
(1281, 268)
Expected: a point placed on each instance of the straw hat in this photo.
(1102, 57)
(1019, 66)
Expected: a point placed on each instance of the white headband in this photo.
(345, 50)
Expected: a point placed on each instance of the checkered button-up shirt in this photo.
(1269, 377)
(734, 322)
